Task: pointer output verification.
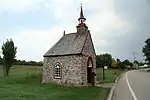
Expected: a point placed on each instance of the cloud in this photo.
(32, 44)
(136, 12)
(101, 20)
(19, 5)
(100, 14)
(115, 26)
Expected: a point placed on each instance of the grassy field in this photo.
(24, 83)
(110, 75)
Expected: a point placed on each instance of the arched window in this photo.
(57, 71)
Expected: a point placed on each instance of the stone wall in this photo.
(89, 51)
(82, 30)
(74, 70)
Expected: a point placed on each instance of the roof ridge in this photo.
(71, 33)
(85, 40)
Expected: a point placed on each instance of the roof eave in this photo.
(62, 55)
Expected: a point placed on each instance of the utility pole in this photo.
(134, 56)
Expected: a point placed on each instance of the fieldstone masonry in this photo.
(89, 51)
(73, 70)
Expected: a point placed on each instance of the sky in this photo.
(118, 27)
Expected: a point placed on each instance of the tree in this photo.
(120, 64)
(126, 62)
(114, 63)
(135, 61)
(107, 59)
(103, 60)
(9, 53)
(141, 64)
(118, 60)
(0, 60)
(99, 61)
(146, 50)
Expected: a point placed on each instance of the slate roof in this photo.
(69, 44)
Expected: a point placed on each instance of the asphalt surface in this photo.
(133, 85)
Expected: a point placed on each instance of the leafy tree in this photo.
(120, 64)
(0, 60)
(103, 60)
(99, 61)
(9, 53)
(136, 62)
(118, 60)
(126, 62)
(146, 50)
(141, 64)
(108, 59)
(114, 63)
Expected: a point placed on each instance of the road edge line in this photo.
(112, 89)
(129, 86)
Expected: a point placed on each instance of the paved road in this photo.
(133, 85)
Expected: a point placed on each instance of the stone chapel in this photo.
(72, 60)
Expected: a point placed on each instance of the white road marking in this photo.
(133, 94)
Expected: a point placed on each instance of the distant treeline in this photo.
(108, 60)
(32, 63)
(23, 62)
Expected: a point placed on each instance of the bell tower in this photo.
(81, 26)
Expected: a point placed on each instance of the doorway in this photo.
(90, 71)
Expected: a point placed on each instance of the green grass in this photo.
(24, 83)
(110, 75)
